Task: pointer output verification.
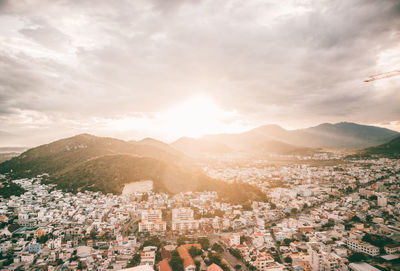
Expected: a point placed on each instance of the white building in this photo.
(363, 247)
(183, 220)
(152, 221)
(382, 201)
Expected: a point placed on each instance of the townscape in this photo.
(328, 216)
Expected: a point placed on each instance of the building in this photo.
(188, 263)
(362, 267)
(391, 249)
(164, 266)
(148, 256)
(232, 240)
(139, 268)
(321, 260)
(262, 261)
(183, 220)
(151, 221)
(214, 267)
(363, 247)
(382, 201)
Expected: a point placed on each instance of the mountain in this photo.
(87, 162)
(277, 140)
(66, 153)
(390, 149)
(344, 135)
(148, 141)
(195, 147)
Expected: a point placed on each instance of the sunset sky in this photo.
(171, 68)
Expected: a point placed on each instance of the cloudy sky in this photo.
(168, 68)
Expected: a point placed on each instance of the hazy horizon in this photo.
(167, 69)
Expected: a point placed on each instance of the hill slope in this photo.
(390, 149)
(87, 162)
(66, 153)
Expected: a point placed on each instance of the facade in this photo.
(391, 249)
(321, 260)
(183, 220)
(363, 247)
(148, 256)
(151, 221)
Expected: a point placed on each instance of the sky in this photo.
(172, 68)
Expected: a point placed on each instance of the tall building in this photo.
(183, 220)
(151, 221)
(321, 260)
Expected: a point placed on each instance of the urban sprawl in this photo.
(315, 217)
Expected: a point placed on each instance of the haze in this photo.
(167, 69)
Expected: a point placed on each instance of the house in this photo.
(214, 267)
(188, 262)
(148, 255)
(164, 266)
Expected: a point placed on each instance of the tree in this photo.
(204, 242)
(217, 247)
(235, 253)
(152, 241)
(238, 267)
(272, 205)
(135, 261)
(176, 261)
(357, 257)
(293, 211)
(373, 197)
(93, 233)
(194, 251)
(288, 259)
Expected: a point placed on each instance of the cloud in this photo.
(269, 61)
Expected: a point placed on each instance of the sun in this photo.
(197, 116)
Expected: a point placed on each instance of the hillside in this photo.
(65, 153)
(148, 141)
(390, 149)
(87, 162)
(276, 140)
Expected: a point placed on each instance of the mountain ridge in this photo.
(87, 162)
(341, 135)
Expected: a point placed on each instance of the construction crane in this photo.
(383, 75)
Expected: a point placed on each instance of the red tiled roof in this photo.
(184, 253)
(164, 266)
(214, 267)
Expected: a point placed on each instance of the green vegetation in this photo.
(376, 240)
(288, 259)
(135, 261)
(235, 253)
(217, 247)
(204, 242)
(194, 251)
(176, 261)
(217, 259)
(357, 257)
(86, 162)
(9, 189)
(390, 149)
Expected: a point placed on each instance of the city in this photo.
(314, 218)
